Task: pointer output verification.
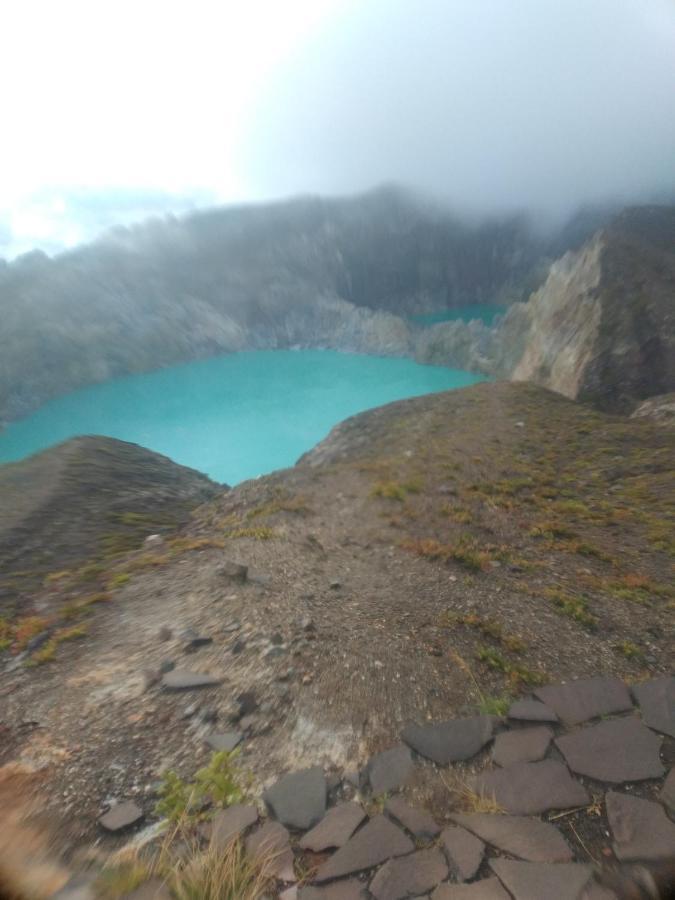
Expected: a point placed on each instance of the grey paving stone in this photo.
(452, 741)
(485, 889)
(531, 788)
(464, 851)
(616, 751)
(335, 829)
(226, 740)
(657, 703)
(121, 816)
(390, 770)
(578, 701)
(229, 823)
(521, 836)
(531, 711)
(182, 680)
(417, 821)
(351, 889)
(299, 799)
(641, 829)
(406, 876)
(536, 881)
(667, 795)
(521, 745)
(272, 843)
(375, 843)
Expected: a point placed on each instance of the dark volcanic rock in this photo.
(409, 875)
(231, 822)
(667, 795)
(341, 890)
(617, 750)
(485, 889)
(182, 680)
(335, 829)
(452, 741)
(271, 842)
(578, 701)
(657, 703)
(121, 816)
(529, 839)
(299, 799)
(227, 741)
(376, 842)
(464, 851)
(417, 821)
(641, 829)
(390, 770)
(532, 788)
(523, 745)
(536, 881)
(531, 711)
(232, 571)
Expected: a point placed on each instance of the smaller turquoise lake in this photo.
(233, 417)
(484, 312)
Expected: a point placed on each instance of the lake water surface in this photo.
(235, 416)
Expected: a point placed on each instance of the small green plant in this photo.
(629, 650)
(117, 580)
(47, 652)
(394, 490)
(575, 607)
(495, 706)
(262, 533)
(216, 786)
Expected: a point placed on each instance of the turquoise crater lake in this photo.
(233, 417)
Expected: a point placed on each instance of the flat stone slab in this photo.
(464, 851)
(617, 750)
(153, 889)
(409, 875)
(657, 703)
(587, 698)
(299, 799)
(415, 820)
(447, 742)
(121, 816)
(535, 881)
(342, 890)
(522, 745)
(641, 829)
(226, 741)
(529, 839)
(525, 789)
(531, 711)
(375, 843)
(390, 770)
(272, 843)
(335, 829)
(182, 680)
(667, 795)
(485, 889)
(229, 823)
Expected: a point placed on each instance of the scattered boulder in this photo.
(272, 843)
(534, 881)
(587, 698)
(121, 816)
(226, 741)
(452, 741)
(229, 823)
(182, 680)
(464, 851)
(417, 821)
(531, 711)
(523, 745)
(409, 875)
(298, 799)
(378, 841)
(233, 571)
(335, 829)
(529, 839)
(657, 703)
(390, 770)
(617, 750)
(532, 788)
(641, 829)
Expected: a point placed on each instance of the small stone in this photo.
(531, 711)
(247, 703)
(121, 816)
(273, 652)
(191, 710)
(307, 624)
(417, 821)
(452, 741)
(464, 851)
(247, 723)
(192, 640)
(151, 677)
(523, 745)
(390, 770)
(617, 750)
(641, 828)
(335, 829)
(409, 875)
(335, 585)
(667, 795)
(272, 843)
(529, 839)
(485, 889)
(230, 823)
(299, 799)
(165, 633)
(587, 698)
(527, 881)
(376, 842)
(209, 715)
(657, 703)
(226, 741)
(233, 571)
(238, 646)
(531, 788)
(166, 665)
(153, 540)
(277, 638)
(182, 680)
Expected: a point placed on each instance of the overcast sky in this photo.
(115, 110)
